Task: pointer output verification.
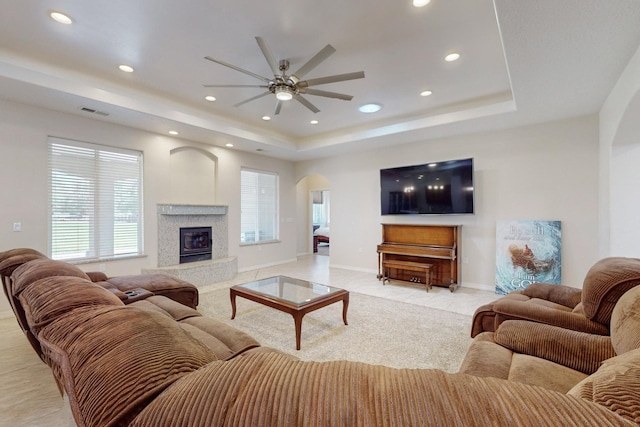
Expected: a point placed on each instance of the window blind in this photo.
(95, 201)
(258, 206)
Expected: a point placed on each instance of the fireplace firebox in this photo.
(195, 244)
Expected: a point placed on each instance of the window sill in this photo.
(265, 242)
(105, 259)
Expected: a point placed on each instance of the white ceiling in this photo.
(521, 62)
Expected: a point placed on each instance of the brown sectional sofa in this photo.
(156, 362)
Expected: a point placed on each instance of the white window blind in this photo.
(95, 201)
(258, 206)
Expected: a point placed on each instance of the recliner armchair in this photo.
(587, 310)
(556, 358)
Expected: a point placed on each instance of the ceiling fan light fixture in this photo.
(284, 93)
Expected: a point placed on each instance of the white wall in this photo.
(620, 157)
(546, 172)
(23, 172)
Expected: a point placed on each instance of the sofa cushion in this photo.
(625, 322)
(37, 269)
(225, 341)
(487, 359)
(47, 299)
(562, 295)
(160, 284)
(271, 389)
(615, 385)
(13, 258)
(540, 372)
(606, 281)
(114, 360)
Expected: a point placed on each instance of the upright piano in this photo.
(434, 245)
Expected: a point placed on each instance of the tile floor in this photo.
(29, 396)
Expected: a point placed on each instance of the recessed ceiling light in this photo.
(266, 118)
(126, 68)
(210, 98)
(420, 3)
(426, 93)
(61, 18)
(370, 108)
(228, 145)
(314, 122)
(452, 57)
(173, 132)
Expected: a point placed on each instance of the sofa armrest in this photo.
(507, 309)
(560, 294)
(576, 350)
(97, 276)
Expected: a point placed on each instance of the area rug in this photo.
(380, 331)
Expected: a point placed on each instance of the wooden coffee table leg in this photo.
(232, 295)
(297, 319)
(345, 306)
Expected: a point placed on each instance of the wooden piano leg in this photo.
(453, 287)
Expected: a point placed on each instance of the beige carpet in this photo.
(380, 331)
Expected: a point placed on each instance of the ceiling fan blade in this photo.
(324, 53)
(306, 103)
(263, 86)
(264, 47)
(278, 107)
(327, 94)
(252, 99)
(233, 67)
(332, 79)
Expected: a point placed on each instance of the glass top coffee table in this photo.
(294, 296)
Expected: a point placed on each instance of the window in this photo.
(320, 208)
(258, 206)
(95, 201)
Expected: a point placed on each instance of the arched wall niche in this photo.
(193, 176)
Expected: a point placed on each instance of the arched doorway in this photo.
(314, 215)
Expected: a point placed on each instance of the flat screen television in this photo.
(437, 188)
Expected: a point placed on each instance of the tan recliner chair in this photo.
(560, 359)
(587, 310)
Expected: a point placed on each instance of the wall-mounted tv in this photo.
(437, 188)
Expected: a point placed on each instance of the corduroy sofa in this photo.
(585, 310)
(562, 359)
(156, 362)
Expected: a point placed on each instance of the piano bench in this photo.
(408, 266)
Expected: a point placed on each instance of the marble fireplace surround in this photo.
(171, 217)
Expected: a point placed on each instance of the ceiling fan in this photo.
(290, 86)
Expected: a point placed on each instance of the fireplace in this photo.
(195, 244)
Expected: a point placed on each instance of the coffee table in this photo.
(294, 296)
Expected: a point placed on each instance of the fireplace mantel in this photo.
(192, 209)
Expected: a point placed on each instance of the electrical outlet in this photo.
(17, 226)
